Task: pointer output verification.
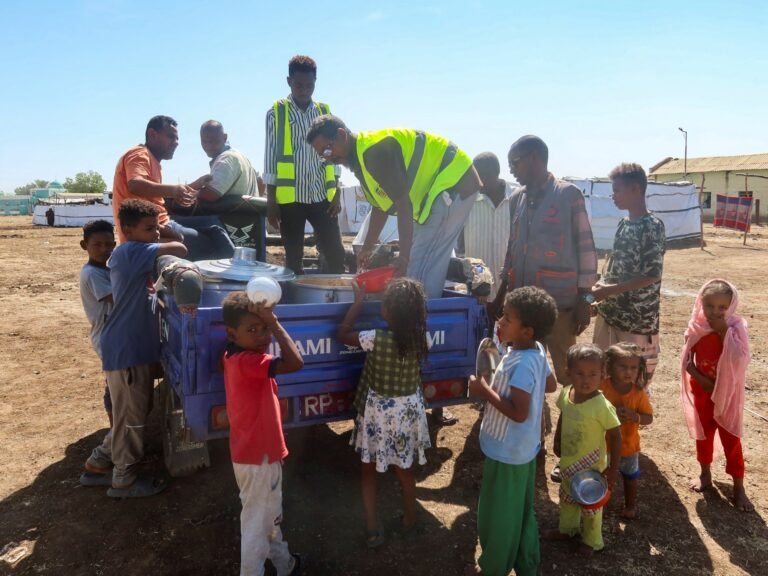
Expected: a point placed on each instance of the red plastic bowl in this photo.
(376, 280)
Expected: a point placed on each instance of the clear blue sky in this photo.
(601, 82)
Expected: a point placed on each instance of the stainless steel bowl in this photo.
(487, 359)
(588, 487)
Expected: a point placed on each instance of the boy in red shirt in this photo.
(256, 439)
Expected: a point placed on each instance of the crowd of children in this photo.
(602, 408)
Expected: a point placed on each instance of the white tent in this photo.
(674, 203)
(74, 215)
(354, 209)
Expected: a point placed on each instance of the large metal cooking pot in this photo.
(242, 267)
(321, 289)
(226, 275)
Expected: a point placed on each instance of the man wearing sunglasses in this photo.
(550, 246)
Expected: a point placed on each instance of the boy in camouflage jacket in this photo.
(629, 292)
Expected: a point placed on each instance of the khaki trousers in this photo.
(131, 390)
(606, 336)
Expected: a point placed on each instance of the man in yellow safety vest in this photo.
(300, 186)
(425, 179)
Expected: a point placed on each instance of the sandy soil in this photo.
(51, 417)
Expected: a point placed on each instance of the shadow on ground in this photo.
(742, 535)
(193, 528)
(661, 540)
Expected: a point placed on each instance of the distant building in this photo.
(24, 205)
(15, 205)
(50, 191)
(745, 175)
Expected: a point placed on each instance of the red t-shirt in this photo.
(255, 424)
(706, 354)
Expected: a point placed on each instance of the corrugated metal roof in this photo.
(743, 163)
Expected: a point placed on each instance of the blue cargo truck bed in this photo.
(193, 389)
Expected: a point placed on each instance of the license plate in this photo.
(327, 404)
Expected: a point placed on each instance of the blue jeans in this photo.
(629, 466)
(204, 237)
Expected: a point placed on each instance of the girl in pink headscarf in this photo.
(714, 368)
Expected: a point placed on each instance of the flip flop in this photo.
(142, 488)
(95, 469)
(297, 561)
(447, 418)
(90, 479)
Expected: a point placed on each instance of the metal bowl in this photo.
(589, 488)
(487, 359)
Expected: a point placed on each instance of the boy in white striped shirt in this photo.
(510, 436)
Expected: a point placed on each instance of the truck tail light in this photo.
(445, 389)
(219, 418)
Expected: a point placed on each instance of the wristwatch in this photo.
(587, 297)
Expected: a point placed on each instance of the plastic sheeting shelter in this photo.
(72, 215)
(354, 209)
(674, 203)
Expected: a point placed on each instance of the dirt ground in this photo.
(51, 417)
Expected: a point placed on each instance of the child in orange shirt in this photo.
(624, 387)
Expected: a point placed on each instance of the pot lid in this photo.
(242, 267)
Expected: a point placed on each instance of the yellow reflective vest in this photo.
(286, 169)
(433, 164)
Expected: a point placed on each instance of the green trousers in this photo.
(506, 522)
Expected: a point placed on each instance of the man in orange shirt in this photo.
(139, 175)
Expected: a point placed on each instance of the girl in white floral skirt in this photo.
(391, 424)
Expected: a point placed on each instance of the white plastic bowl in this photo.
(264, 289)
